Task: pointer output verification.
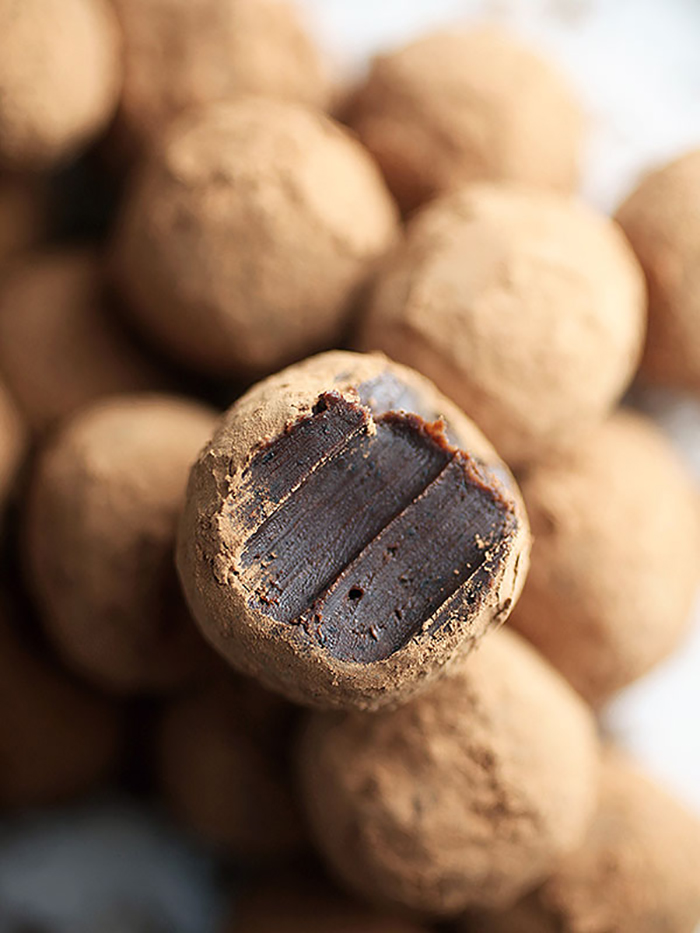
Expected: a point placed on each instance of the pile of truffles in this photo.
(321, 509)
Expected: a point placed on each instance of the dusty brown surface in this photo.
(467, 796)
(457, 107)
(12, 442)
(616, 558)
(524, 307)
(662, 220)
(100, 533)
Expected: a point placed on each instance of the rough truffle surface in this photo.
(635, 873)
(662, 220)
(180, 55)
(245, 241)
(310, 549)
(466, 796)
(456, 107)
(61, 345)
(100, 532)
(616, 559)
(526, 308)
(60, 74)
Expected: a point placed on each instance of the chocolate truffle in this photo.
(61, 345)
(100, 534)
(526, 308)
(348, 532)
(457, 107)
(60, 73)
(662, 220)
(637, 871)
(22, 214)
(57, 738)
(616, 558)
(467, 796)
(300, 905)
(181, 54)
(223, 766)
(245, 240)
(12, 442)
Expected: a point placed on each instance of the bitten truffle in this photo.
(662, 220)
(57, 738)
(223, 764)
(616, 558)
(61, 345)
(467, 796)
(22, 214)
(348, 532)
(453, 108)
(526, 308)
(245, 241)
(12, 442)
(179, 54)
(637, 871)
(298, 905)
(60, 73)
(100, 533)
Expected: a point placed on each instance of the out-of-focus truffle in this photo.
(465, 797)
(100, 533)
(22, 214)
(616, 558)
(179, 54)
(224, 769)
(348, 531)
(57, 738)
(60, 74)
(291, 905)
(12, 442)
(524, 307)
(662, 220)
(457, 107)
(245, 241)
(61, 346)
(637, 871)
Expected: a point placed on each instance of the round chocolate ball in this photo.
(12, 442)
(348, 532)
(526, 308)
(99, 540)
(616, 559)
(245, 241)
(223, 766)
(467, 796)
(61, 345)
(57, 739)
(662, 220)
(180, 54)
(300, 905)
(456, 107)
(636, 872)
(60, 74)
(22, 214)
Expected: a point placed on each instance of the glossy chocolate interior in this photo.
(366, 527)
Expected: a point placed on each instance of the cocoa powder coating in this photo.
(244, 242)
(457, 107)
(616, 559)
(60, 74)
(348, 532)
(467, 796)
(61, 345)
(662, 220)
(99, 541)
(526, 308)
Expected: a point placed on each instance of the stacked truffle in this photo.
(310, 590)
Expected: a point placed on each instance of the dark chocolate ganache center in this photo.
(368, 530)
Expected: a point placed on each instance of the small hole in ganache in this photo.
(356, 593)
